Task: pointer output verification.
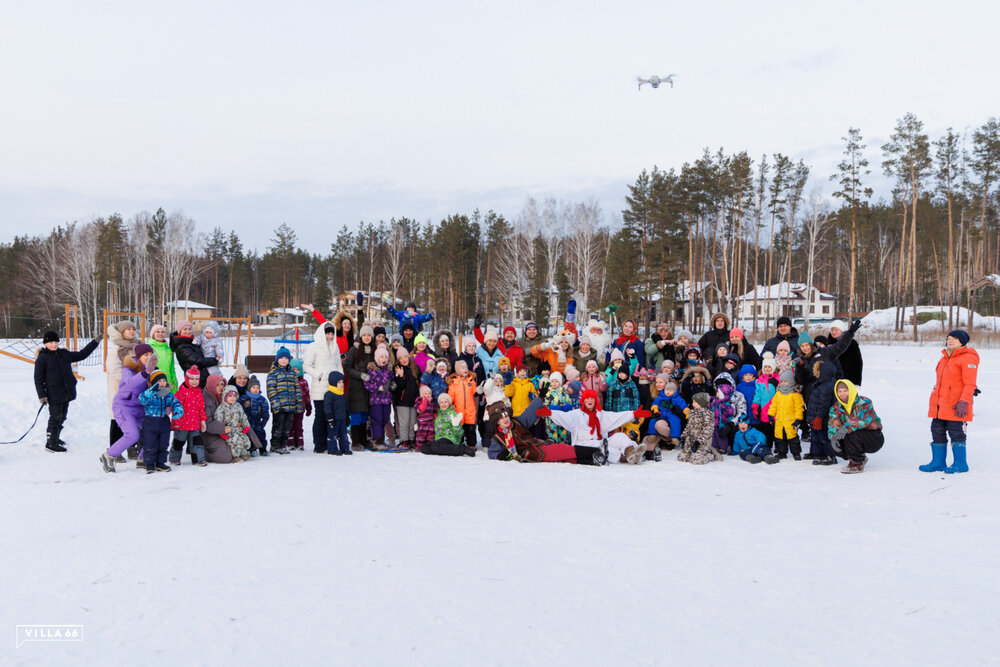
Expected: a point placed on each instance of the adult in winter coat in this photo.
(136, 369)
(717, 335)
(489, 355)
(951, 403)
(821, 399)
(342, 322)
(660, 346)
(405, 390)
(508, 343)
(629, 344)
(584, 354)
(55, 383)
(322, 356)
(786, 332)
(121, 339)
(217, 450)
(739, 346)
(158, 341)
(531, 338)
(356, 369)
(590, 427)
(445, 347)
(850, 360)
(854, 429)
(188, 353)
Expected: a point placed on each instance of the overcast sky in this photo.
(319, 114)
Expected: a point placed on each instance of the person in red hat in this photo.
(590, 428)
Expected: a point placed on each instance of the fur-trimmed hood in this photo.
(338, 322)
(697, 370)
(715, 316)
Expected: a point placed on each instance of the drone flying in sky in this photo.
(655, 81)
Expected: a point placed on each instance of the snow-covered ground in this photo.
(411, 559)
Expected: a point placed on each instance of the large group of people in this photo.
(580, 395)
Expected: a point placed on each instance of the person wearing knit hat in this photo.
(120, 338)
(696, 439)
(296, 438)
(188, 352)
(395, 338)
(285, 397)
(158, 405)
(787, 412)
(165, 356)
(187, 430)
(258, 411)
(739, 346)
(357, 362)
(559, 399)
(786, 332)
(590, 428)
(379, 332)
(951, 401)
(235, 418)
(55, 383)
(409, 315)
(422, 352)
(701, 399)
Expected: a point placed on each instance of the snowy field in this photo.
(411, 559)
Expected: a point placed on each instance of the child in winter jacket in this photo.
(505, 370)
(594, 380)
(725, 415)
(696, 441)
(187, 429)
(557, 399)
(574, 386)
(783, 356)
(520, 391)
(747, 386)
(696, 379)
(751, 445)
(408, 316)
(285, 397)
(436, 379)
(449, 430)
(237, 425)
(335, 411)
(159, 406)
(210, 345)
(296, 439)
(462, 390)
(764, 390)
(258, 411)
(787, 410)
(426, 413)
(669, 410)
(623, 394)
(379, 386)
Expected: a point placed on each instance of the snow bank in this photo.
(885, 319)
(405, 558)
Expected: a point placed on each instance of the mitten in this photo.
(224, 436)
(430, 316)
(246, 429)
(365, 377)
(797, 424)
(151, 363)
(360, 298)
(655, 409)
(642, 414)
(543, 412)
(961, 409)
(855, 326)
(695, 445)
(479, 320)
(571, 311)
(816, 424)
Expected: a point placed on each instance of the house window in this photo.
(812, 310)
(826, 310)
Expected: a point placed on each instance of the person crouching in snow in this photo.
(951, 403)
(669, 409)
(696, 441)
(379, 389)
(512, 441)
(787, 410)
(448, 431)
(589, 427)
(159, 406)
(854, 429)
(233, 416)
(751, 445)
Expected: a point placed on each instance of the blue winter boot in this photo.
(959, 464)
(939, 458)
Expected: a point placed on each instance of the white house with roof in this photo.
(790, 299)
(185, 310)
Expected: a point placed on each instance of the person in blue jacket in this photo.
(751, 445)
(669, 409)
(409, 315)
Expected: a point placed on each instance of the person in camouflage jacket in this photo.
(233, 416)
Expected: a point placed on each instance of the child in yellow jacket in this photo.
(786, 411)
(520, 391)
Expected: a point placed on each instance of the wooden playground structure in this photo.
(26, 349)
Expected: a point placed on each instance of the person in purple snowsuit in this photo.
(127, 410)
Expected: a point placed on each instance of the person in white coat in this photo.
(121, 339)
(322, 357)
(590, 426)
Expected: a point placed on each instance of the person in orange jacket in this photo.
(462, 389)
(951, 403)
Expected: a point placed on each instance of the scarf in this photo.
(625, 340)
(335, 390)
(593, 421)
(508, 441)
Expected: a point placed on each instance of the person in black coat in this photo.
(358, 361)
(714, 337)
(786, 332)
(55, 383)
(850, 360)
(188, 353)
(739, 346)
